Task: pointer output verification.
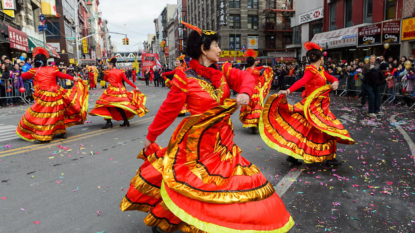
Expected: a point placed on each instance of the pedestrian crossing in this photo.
(7, 132)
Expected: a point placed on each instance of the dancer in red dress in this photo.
(134, 73)
(55, 108)
(201, 182)
(307, 130)
(251, 113)
(180, 66)
(116, 103)
(91, 76)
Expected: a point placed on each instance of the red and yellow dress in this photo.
(200, 182)
(185, 109)
(250, 114)
(117, 96)
(307, 130)
(55, 108)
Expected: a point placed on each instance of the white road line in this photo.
(404, 134)
(8, 132)
(287, 181)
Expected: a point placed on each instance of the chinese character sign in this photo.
(85, 45)
(18, 40)
(222, 12)
(408, 29)
(391, 32)
(369, 35)
(8, 5)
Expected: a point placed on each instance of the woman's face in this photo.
(178, 64)
(403, 59)
(16, 66)
(213, 54)
(3, 66)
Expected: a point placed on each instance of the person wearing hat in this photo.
(251, 113)
(55, 108)
(116, 103)
(308, 130)
(201, 182)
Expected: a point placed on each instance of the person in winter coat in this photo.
(371, 82)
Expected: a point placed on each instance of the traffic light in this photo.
(123, 41)
(128, 41)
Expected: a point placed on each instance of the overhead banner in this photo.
(85, 45)
(391, 32)
(252, 42)
(49, 7)
(222, 12)
(370, 35)
(408, 29)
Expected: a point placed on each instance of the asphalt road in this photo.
(76, 184)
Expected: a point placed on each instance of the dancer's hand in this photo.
(242, 99)
(147, 143)
(284, 92)
(137, 89)
(335, 85)
(75, 79)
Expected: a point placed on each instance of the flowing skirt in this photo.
(251, 113)
(201, 183)
(54, 111)
(308, 130)
(133, 103)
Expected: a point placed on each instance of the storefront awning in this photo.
(33, 43)
(345, 37)
(18, 39)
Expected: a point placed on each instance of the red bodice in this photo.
(259, 80)
(45, 77)
(115, 77)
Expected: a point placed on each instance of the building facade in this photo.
(306, 22)
(246, 24)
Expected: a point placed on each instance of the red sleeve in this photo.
(167, 113)
(29, 74)
(297, 85)
(259, 67)
(106, 76)
(64, 76)
(169, 73)
(239, 80)
(330, 78)
(128, 81)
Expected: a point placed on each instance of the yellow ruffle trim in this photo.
(210, 227)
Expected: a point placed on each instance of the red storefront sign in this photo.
(18, 40)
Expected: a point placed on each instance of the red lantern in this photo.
(22, 89)
(325, 53)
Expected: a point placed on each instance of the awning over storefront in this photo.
(18, 39)
(33, 43)
(345, 37)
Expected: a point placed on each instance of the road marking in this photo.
(70, 139)
(7, 132)
(404, 134)
(287, 181)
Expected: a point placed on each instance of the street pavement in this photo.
(76, 184)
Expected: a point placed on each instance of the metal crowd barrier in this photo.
(9, 94)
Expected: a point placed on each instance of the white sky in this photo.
(132, 17)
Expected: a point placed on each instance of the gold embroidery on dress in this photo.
(216, 94)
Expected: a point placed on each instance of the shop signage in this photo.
(222, 12)
(56, 46)
(311, 16)
(85, 45)
(391, 32)
(231, 54)
(370, 35)
(252, 42)
(8, 5)
(18, 40)
(408, 29)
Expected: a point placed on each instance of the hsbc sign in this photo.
(311, 16)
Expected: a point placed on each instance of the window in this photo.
(368, 7)
(52, 31)
(234, 42)
(252, 4)
(332, 22)
(390, 9)
(297, 35)
(348, 9)
(315, 27)
(235, 21)
(234, 3)
(252, 22)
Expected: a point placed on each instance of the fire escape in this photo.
(278, 32)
